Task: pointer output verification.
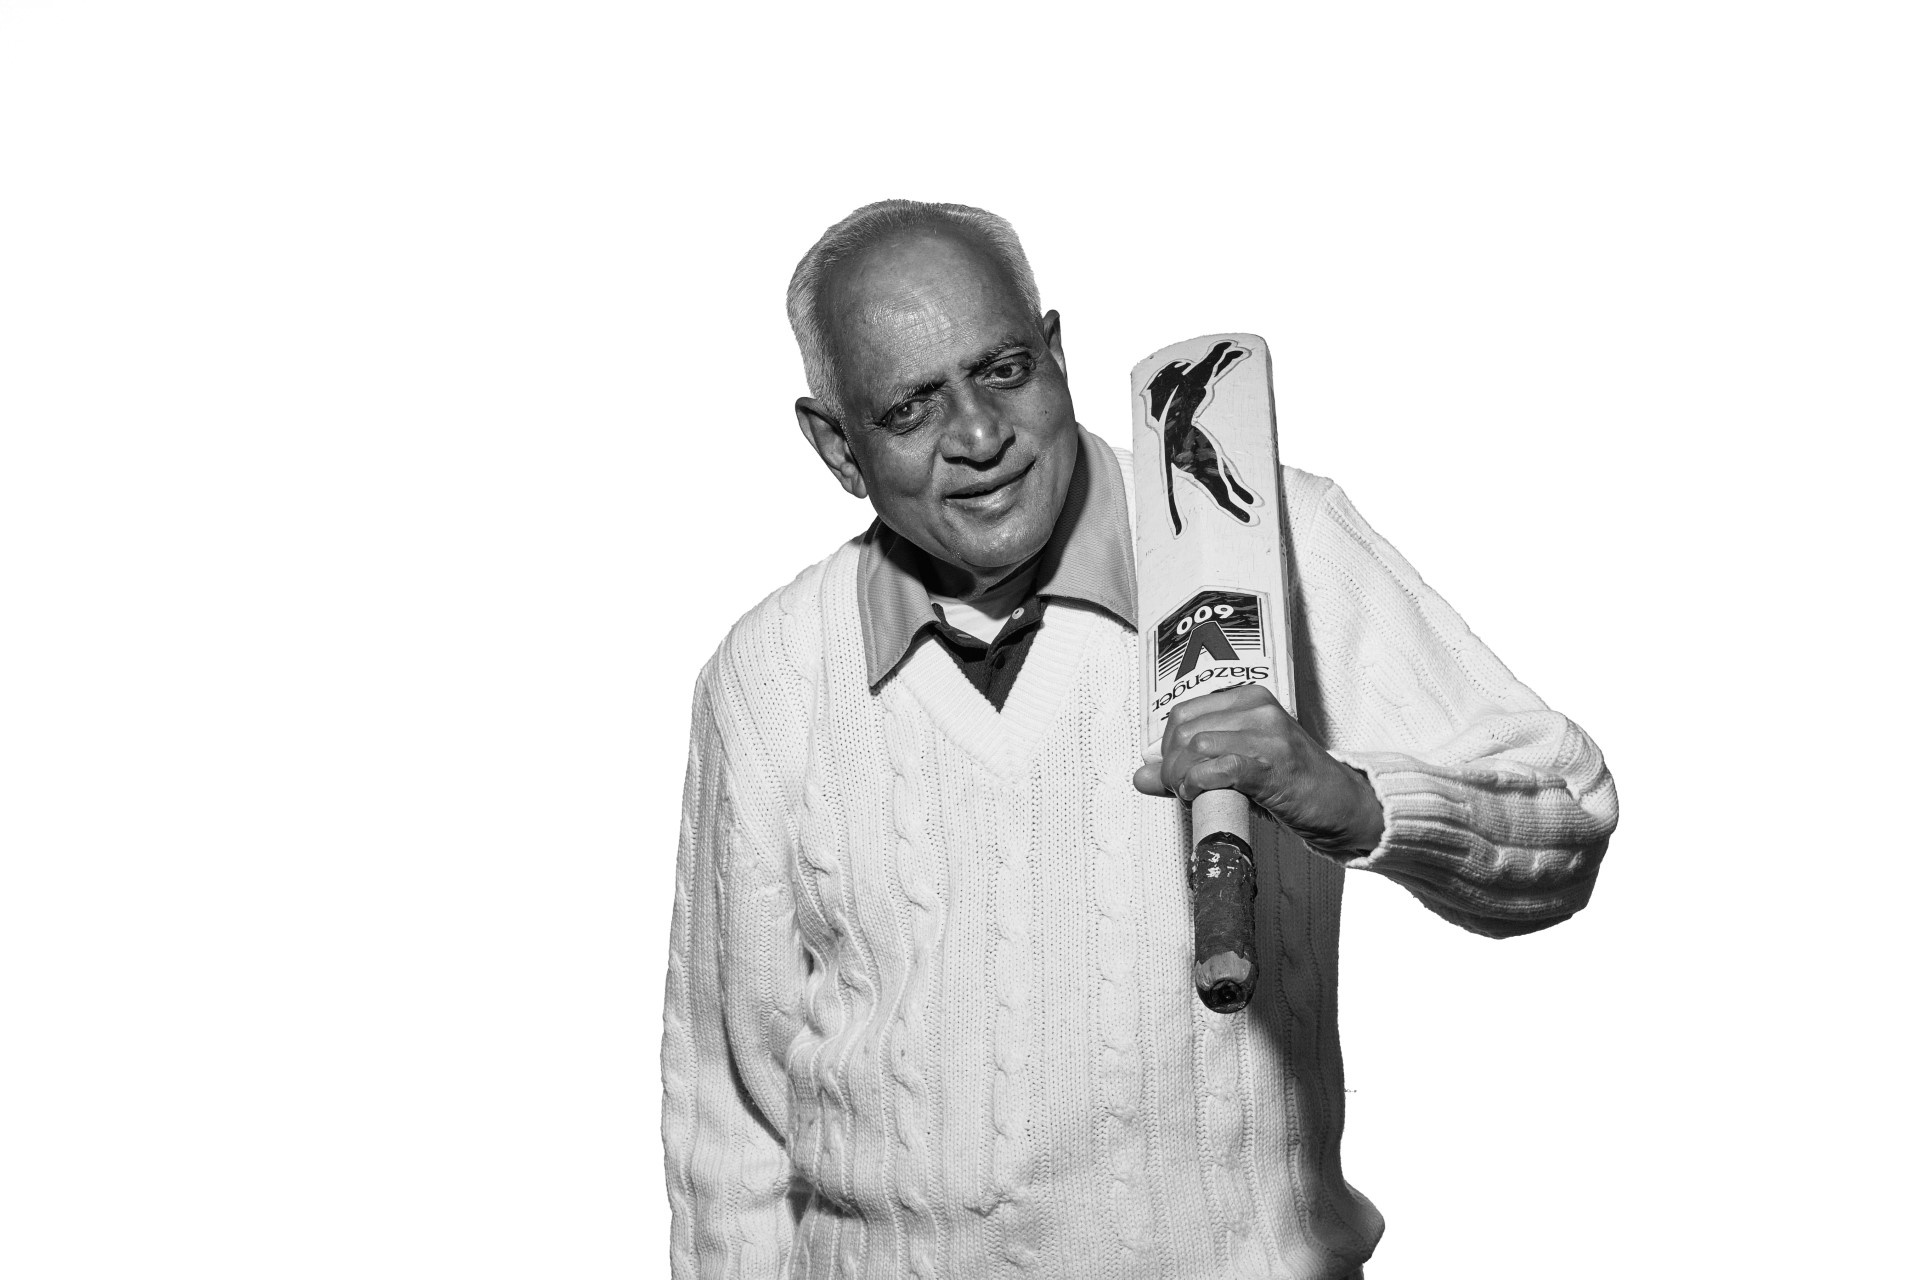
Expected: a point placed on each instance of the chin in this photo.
(995, 554)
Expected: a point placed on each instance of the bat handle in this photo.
(1220, 873)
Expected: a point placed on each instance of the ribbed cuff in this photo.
(1458, 840)
(1426, 816)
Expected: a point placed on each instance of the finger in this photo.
(1147, 780)
(1241, 696)
(1267, 718)
(1249, 748)
(1216, 773)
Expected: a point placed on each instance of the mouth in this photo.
(988, 496)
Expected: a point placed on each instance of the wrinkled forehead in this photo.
(914, 297)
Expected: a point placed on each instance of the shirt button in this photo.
(1018, 612)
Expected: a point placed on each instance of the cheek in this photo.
(904, 472)
(1053, 428)
(1053, 411)
(897, 473)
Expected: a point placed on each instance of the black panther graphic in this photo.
(1174, 399)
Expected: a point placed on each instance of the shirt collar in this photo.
(1088, 559)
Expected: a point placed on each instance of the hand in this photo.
(1243, 739)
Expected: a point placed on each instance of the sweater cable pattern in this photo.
(1112, 823)
(1007, 1196)
(908, 1046)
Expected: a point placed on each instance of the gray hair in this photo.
(865, 226)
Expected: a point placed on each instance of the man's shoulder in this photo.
(785, 626)
(1305, 493)
(1303, 482)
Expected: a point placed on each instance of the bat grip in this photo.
(1220, 873)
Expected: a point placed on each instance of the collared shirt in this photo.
(992, 666)
(1088, 560)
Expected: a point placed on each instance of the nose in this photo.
(977, 432)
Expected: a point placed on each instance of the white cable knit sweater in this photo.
(929, 1010)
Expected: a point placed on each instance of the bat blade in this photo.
(1212, 569)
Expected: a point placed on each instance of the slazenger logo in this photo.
(1239, 676)
(1219, 626)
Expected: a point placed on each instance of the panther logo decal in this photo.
(1175, 397)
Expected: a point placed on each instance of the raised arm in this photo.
(728, 971)
(1420, 756)
(1496, 809)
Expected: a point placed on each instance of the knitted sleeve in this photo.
(723, 1118)
(1498, 810)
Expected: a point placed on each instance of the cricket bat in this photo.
(1213, 601)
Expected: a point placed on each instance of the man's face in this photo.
(954, 403)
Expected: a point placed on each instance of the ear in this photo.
(1050, 329)
(823, 432)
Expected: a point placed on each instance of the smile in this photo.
(991, 497)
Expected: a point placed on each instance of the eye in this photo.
(906, 415)
(1010, 372)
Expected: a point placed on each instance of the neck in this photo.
(959, 582)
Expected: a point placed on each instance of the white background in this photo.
(396, 411)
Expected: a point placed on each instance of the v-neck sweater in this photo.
(993, 666)
(929, 1009)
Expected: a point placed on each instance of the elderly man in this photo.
(929, 1009)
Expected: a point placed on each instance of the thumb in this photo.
(1146, 779)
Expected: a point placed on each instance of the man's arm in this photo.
(1439, 770)
(727, 1168)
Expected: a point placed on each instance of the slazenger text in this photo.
(1198, 678)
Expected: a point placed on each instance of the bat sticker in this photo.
(1213, 627)
(1175, 397)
